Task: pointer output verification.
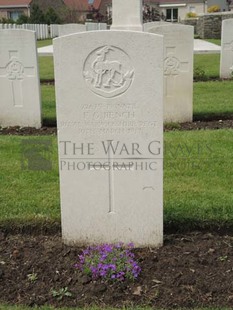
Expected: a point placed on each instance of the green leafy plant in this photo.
(109, 261)
(32, 277)
(199, 74)
(61, 293)
(223, 258)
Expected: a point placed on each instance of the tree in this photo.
(23, 19)
(37, 16)
(151, 14)
(51, 17)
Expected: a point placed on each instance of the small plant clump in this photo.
(191, 15)
(214, 9)
(61, 293)
(199, 74)
(109, 261)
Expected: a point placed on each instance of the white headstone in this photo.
(226, 62)
(178, 71)
(127, 15)
(96, 26)
(147, 26)
(66, 29)
(110, 125)
(20, 103)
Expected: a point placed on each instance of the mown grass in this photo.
(209, 63)
(198, 178)
(26, 195)
(215, 41)
(49, 105)
(42, 43)
(213, 100)
(46, 68)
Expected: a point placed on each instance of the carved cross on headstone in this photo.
(15, 71)
(109, 167)
(172, 68)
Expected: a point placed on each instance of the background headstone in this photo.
(127, 15)
(96, 26)
(149, 25)
(66, 29)
(226, 61)
(178, 71)
(20, 103)
(108, 95)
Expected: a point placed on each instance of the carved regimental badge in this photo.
(171, 65)
(108, 71)
(15, 70)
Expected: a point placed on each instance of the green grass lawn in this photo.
(215, 41)
(27, 195)
(46, 68)
(211, 100)
(209, 63)
(49, 105)
(198, 178)
(42, 43)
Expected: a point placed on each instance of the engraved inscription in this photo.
(108, 71)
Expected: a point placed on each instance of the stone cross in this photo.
(127, 15)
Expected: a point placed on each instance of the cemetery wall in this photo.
(191, 22)
(208, 25)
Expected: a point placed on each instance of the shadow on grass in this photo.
(49, 122)
(208, 117)
(172, 225)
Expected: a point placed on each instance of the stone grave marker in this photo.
(178, 71)
(66, 29)
(226, 61)
(110, 136)
(127, 15)
(147, 26)
(20, 103)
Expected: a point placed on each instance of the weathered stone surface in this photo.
(110, 136)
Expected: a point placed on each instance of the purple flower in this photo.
(109, 261)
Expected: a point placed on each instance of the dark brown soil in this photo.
(197, 125)
(189, 270)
